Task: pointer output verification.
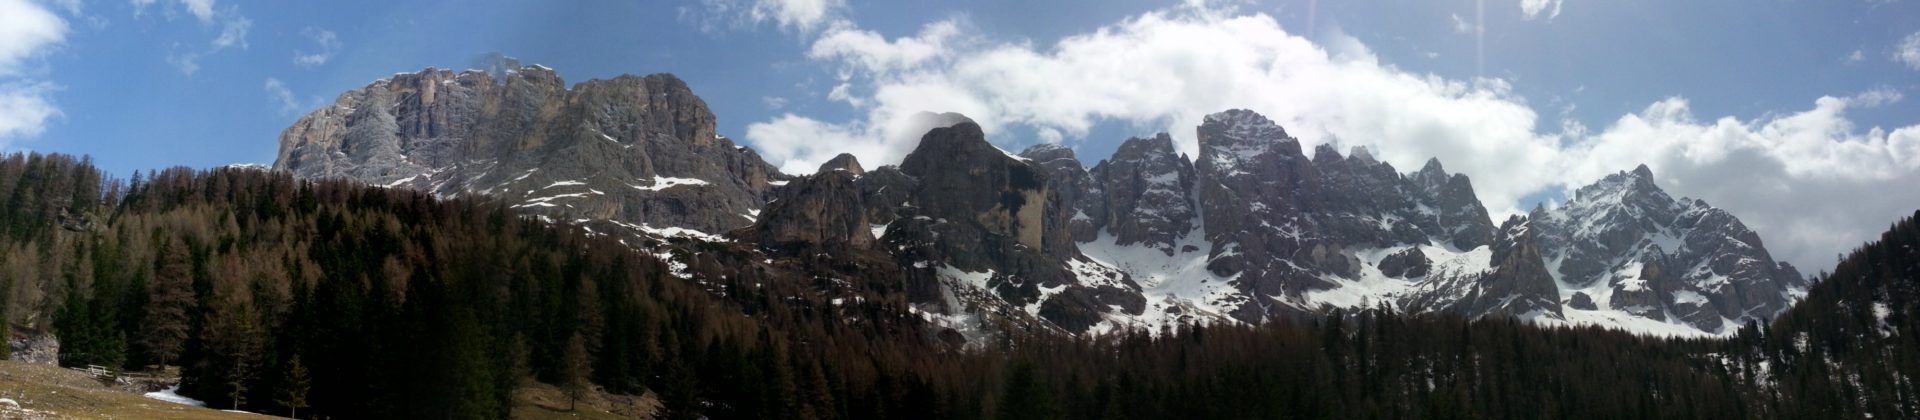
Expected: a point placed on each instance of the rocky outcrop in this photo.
(30, 346)
(640, 150)
(1404, 264)
(1582, 301)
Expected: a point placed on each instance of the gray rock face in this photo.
(980, 220)
(1148, 190)
(968, 179)
(1256, 190)
(640, 150)
(36, 347)
(1071, 180)
(823, 210)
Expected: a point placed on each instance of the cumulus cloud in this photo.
(325, 45)
(874, 53)
(1811, 182)
(1908, 52)
(28, 31)
(1532, 9)
(803, 15)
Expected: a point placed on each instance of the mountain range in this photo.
(1251, 229)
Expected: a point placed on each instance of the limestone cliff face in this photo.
(823, 211)
(962, 177)
(640, 150)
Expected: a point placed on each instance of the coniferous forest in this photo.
(350, 301)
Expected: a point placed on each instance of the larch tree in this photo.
(169, 298)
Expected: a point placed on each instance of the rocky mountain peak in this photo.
(1362, 154)
(1242, 134)
(843, 162)
(1634, 249)
(1431, 176)
(980, 183)
(1148, 189)
(1635, 187)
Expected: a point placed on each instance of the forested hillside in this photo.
(397, 305)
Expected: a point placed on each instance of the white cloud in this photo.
(290, 104)
(28, 31)
(1532, 9)
(233, 32)
(774, 102)
(186, 62)
(200, 9)
(875, 53)
(1909, 51)
(1461, 26)
(1810, 182)
(25, 108)
(325, 44)
(1855, 57)
(71, 6)
(803, 15)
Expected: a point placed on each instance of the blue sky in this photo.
(1724, 99)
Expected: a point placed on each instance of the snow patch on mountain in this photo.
(1178, 288)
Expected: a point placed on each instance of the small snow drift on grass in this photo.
(170, 395)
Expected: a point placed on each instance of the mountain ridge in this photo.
(1249, 230)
